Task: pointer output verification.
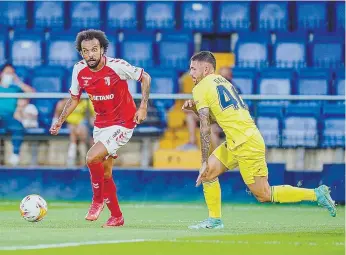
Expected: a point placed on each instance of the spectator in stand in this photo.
(11, 83)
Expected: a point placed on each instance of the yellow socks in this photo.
(289, 194)
(212, 195)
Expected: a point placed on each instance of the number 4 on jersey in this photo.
(226, 99)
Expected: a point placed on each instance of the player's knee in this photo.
(107, 174)
(92, 158)
(263, 197)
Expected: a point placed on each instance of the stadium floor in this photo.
(161, 228)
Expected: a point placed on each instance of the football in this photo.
(33, 208)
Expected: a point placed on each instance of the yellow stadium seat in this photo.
(173, 159)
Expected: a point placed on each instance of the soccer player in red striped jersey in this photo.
(104, 79)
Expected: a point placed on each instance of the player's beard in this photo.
(96, 63)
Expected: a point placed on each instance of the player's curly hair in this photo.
(205, 56)
(89, 35)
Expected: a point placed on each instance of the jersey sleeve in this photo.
(75, 89)
(200, 97)
(128, 72)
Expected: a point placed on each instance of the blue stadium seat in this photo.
(112, 50)
(312, 16)
(137, 49)
(26, 49)
(197, 16)
(313, 82)
(49, 14)
(239, 20)
(47, 79)
(290, 50)
(163, 81)
(159, 15)
(340, 82)
(340, 15)
(121, 15)
(272, 15)
(252, 50)
(61, 50)
(327, 50)
(301, 126)
(333, 126)
(175, 51)
(245, 79)
(3, 46)
(275, 82)
(269, 123)
(85, 14)
(24, 73)
(13, 14)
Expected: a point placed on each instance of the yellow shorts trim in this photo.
(249, 157)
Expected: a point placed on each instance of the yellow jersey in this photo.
(79, 114)
(226, 107)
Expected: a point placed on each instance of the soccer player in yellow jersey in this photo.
(216, 99)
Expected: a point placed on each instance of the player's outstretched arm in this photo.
(70, 106)
(141, 113)
(205, 131)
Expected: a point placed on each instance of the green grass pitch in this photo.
(161, 228)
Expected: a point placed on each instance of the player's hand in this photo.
(55, 128)
(140, 115)
(202, 173)
(189, 105)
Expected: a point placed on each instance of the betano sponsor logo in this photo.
(101, 98)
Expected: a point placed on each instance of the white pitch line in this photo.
(61, 245)
(243, 242)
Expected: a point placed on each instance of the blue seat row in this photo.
(306, 126)
(173, 50)
(185, 15)
(281, 81)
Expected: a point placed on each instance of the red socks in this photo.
(97, 181)
(110, 197)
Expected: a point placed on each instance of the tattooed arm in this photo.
(141, 114)
(204, 118)
(70, 106)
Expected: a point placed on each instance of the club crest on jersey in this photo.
(107, 80)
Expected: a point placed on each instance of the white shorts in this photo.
(113, 137)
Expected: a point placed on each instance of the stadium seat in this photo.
(239, 20)
(272, 15)
(340, 82)
(122, 15)
(61, 50)
(85, 14)
(313, 81)
(13, 14)
(159, 15)
(112, 50)
(312, 16)
(333, 126)
(275, 82)
(301, 126)
(290, 50)
(47, 79)
(269, 123)
(24, 73)
(340, 15)
(49, 14)
(26, 48)
(175, 51)
(327, 50)
(244, 79)
(252, 50)
(137, 49)
(3, 46)
(197, 16)
(163, 81)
